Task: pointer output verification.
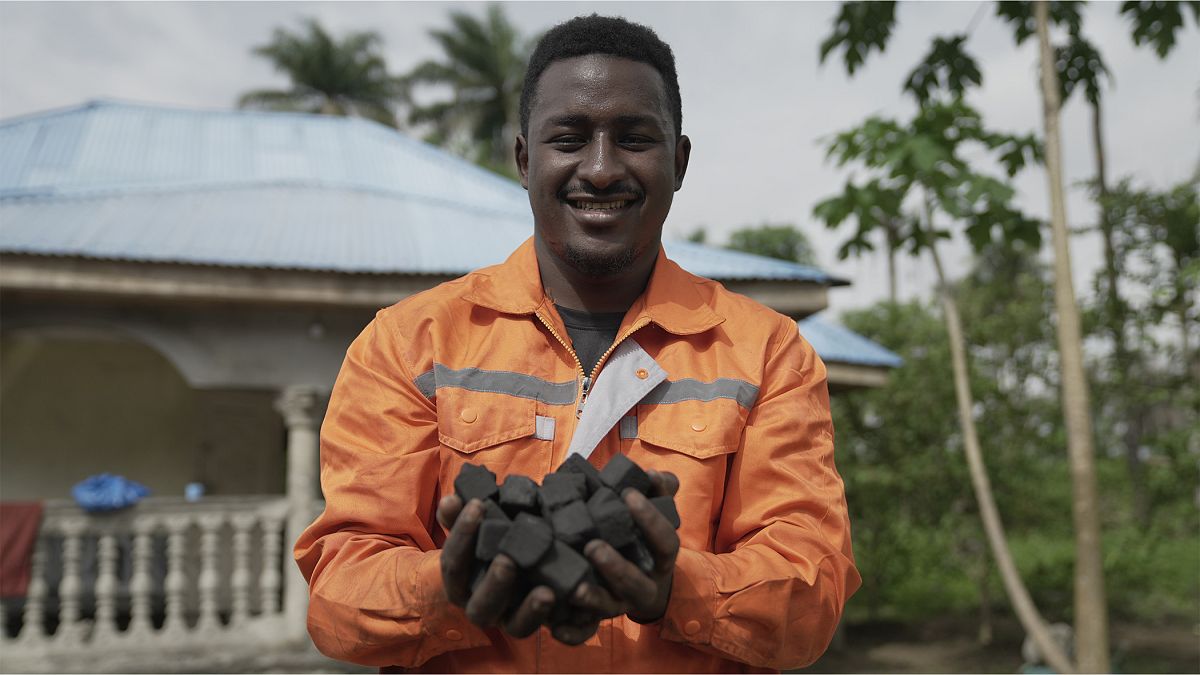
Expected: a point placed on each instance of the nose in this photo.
(601, 164)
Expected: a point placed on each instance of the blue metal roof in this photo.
(277, 190)
(841, 345)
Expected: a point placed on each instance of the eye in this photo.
(567, 142)
(637, 142)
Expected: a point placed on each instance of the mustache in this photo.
(591, 192)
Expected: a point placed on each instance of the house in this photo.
(177, 290)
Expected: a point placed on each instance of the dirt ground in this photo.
(950, 645)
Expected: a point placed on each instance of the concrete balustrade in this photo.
(162, 575)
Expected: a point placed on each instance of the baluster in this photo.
(140, 580)
(240, 580)
(106, 587)
(175, 584)
(210, 530)
(270, 583)
(70, 589)
(33, 626)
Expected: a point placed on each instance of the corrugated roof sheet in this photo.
(841, 345)
(266, 189)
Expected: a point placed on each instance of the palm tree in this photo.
(483, 63)
(328, 76)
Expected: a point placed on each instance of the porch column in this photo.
(298, 405)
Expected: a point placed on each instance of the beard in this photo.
(599, 265)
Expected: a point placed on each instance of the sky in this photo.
(756, 101)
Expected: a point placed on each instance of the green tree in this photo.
(331, 77)
(785, 242)
(858, 30)
(483, 64)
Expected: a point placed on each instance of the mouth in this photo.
(587, 205)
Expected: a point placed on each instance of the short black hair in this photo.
(596, 34)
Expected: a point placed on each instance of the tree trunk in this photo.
(1114, 313)
(1027, 613)
(892, 244)
(1091, 613)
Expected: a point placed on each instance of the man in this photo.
(587, 340)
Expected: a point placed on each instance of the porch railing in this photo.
(166, 573)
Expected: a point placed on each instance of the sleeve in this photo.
(375, 589)
(772, 594)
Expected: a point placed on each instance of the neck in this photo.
(573, 290)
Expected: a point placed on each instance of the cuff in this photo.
(446, 627)
(691, 609)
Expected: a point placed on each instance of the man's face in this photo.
(601, 162)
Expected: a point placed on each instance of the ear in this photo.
(521, 152)
(683, 151)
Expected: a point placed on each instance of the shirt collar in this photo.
(671, 299)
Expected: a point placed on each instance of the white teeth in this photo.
(600, 206)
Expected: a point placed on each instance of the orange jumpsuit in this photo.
(480, 370)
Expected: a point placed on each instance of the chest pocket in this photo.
(699, 429)
(469, 421)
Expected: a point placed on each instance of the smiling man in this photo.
(587, 341)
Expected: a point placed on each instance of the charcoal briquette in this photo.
(621, 472)
(573, 524)
(475, 482)
(577, 464)
(487, 541)
(519, 494)
(560, 489)
(611, 517)
(666, 506)
(527, 540)
(492, 511)
(562, 569)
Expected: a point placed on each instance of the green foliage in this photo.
(784, 242)
(1079, 65)
(483, 64)
(859, 28)
(1157, 21)
(917, 538)
(925, 160)
(328, 76)
(1020, 16)
(947, 67)
(697, 236)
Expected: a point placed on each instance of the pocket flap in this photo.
(469, 421)
(700, 429)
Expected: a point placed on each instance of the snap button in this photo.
(469, 415)
(642, 373)
(698, 426)
(692, 627)
(453, 635)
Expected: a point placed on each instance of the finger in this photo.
(488, 601)
(448, 510)
(594, 598)
(658, 532)
(665, 483)
(532, 612)
(574, 634)
(627, 582)
(458, 553)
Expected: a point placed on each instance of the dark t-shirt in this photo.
(591, 334)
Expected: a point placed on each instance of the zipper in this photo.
(587, 381)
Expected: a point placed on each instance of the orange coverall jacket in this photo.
(480, 370)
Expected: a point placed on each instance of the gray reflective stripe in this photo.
(688, 389)
(497, 382)
(543, 428)
(628, 427)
